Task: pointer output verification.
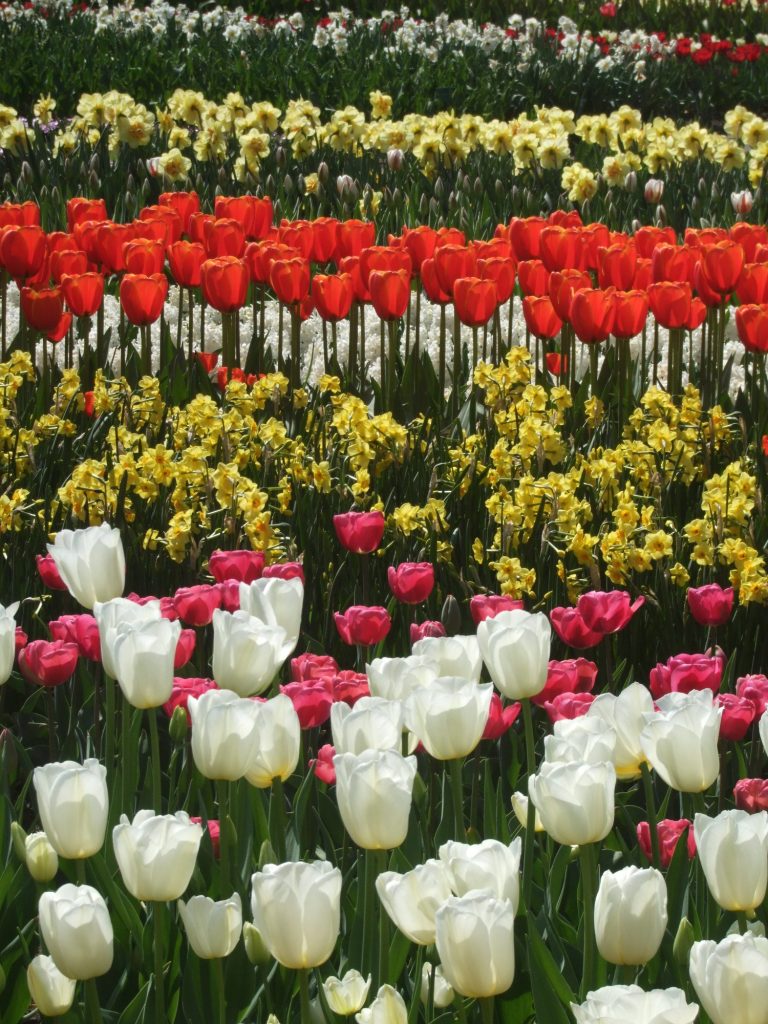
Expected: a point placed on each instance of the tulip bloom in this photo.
(225, 281)
(276, 744)
(487, 606)
(412, 899)
(333, 295)
(223, 733)
(684, 673)
(48, 662)
(110, 615)
(710, 605)
(241, 565)
(670, 302)
(297, 908)
(449, 717)
(156, 854)
(515, 648)
(751, 795)
(83, 293)
(387, 1008)
(540, 316)
(738, 715)
(475, 941)
(363, 624)
(487, 865)
(185, 260)
(311, 700)
(42, 308)
(289, 280)
(452, 655)
(475, 300)
(51, 992)
(91, 562)
(390, 292)
(144, 656)
(630, 915)
(680, 740)
(360, 532)
(49, 574)
(593, 314)
(23, 250)
(411, 582)
(631, 313)
(734, 838)
(573, 676)
(669, 833)
(142, 297)
(213, 928)
(723, 264)
(607, 611)
(247, 653)
(570, 626)
(373, 724)
(752, 327)
(347, 995)
(277, 602)
(626, 714)
(73, 802)
(620, 1004)
(75, 925)
(575, 800)
(374, 791)
(731, 978)
(394, 679)
(430, 627)
(582, 739)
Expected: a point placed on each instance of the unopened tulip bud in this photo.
(41, 858)
(19, 840)
(344, 184)
(450, 615)
(255, 948)
(9, 759)
(442, 993)
(280, 156)
(630, 182)
(323, 172)
(684, 940)
(267, 854)
(178, 727)
(653, 191)
(394, 159)
(51, 991)
(742, 202)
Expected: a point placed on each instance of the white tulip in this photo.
(453, 655)
(680, 740)
(156, 854)
(213, 927)
(575, 800)
(247, 654)
(396, 678)
(110, 615)
(51, 991)
(488, 865)
(347, 995)
(91, 562)
(374, 791)
(73, 802)
(223, 733)
(733, 850)
(387, 1008)
(144, 654)
(625, 713)
(75, 925)
(276, 744)
(449, 716)
(580, 739)
(372, 724)
(7, 640)
(278, 603)
(412, 899)
(515, 648)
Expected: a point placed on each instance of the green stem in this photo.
(383, 926)
(157, 790)
(588, 871)
(109, 724)
(650, 808)
(530, 828)
(306, 1016)
(457, 795)
(157, 923)
(486, 1010)
(218, 988)
(92, 1004)
(278, 824)
(222, 796)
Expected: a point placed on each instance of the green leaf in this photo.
(551, 994)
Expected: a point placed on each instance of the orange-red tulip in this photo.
(540, 316)
(500, 270)
(431, 284)
(631, 313)
(110, 239)
(225, 281)
(753, 283)
(752, 326)
(475, 300)
(670, 302)
(23, 250)
(184, 203)
(42, 308)
(333, 295)
(616, 266)
(325, 239)
(299, 234)
(420, 243)
(525, 234)
(672, 263)
(224, 237)
(289, 279)
(83, 293)
(351, 265)
(186, 260)
(561, 287)
(723, 264)
(143, 256)
(452, 262)
(68, 261)
(390, 292)
(593, 314)
(354, 236)
(533, 277)
(647, 238)
(142, 297)
(80, 209)
(383, 257)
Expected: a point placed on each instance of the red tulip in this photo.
(223, 237)
(562, 248)
(195, 605)
(68, 261)
(751, 795)
(83, 293)
(144, 256)
(670, 302)
(163, 223)
(723, 264)
(752, 327)
(475, 300)
(616, 266)
(207, 360)
(142, 297)
(572, 629)
(185, 260)
(562, 286)
(488, 606)
(311, 700)
(672, 263)
(242, 565)
(183, 203)
(43, 308)
(753, 284)
(607, 611)
(737, 717)
(363, 624)
(411, 582)
(710, 605)
(48, 662)
(420, 243)
(576, 675)
(669, 833)
(540, 316)
(196, 226)
(110, 239)
(322, 765)
(23, 250)
(360, 532)
(80, 209)
(566, 706)
(350, 686)
(452, 262)
(48, 572)
(533, 277)
(500, 270)
(299, 234)
(755, 688)
(284, 571)
(631, 313)
(685, 672)
(225, 283)
(383, 257)
(290, 279)
(525, 235)
(432, 287)
(556, 363)
(647, 238)
(354, 236)
(82, 630)
(420, 630)
(313, 666)
(593, 314)
(390, 292)
(500, 718)
(333, 295)
(185, 648)
(183, 689)
(325, 239)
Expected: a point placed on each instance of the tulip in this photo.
(333, 295)
(433, 978)
(284, 571)
(395, 678)
(752, 289)
(42, 308)
(374, 791)
(322, 765)
(710, 605)
(185, 260)
(452, 655)
(475, 943)
(653, 191)
(373, 724)
(142, 297)
(247, 654)
(631, 313)
(534, 282)
(75, 925)
(360, 532)
(51, 991)
(625, 1004)
(81, 209)
(475, 300)
(213, 928)
(297, 908)
(277, 602)
(91, 562)
(73, 803)
(731, 978)
(223, 733)
(242, 565)
(390, 292)
(670, 302)
(568, 706)
(581, 739)
(520, 808)
(346, 995)
(145, 256)
(738, 715)
(488, 865)
(225, 281)
(144, 660)
(412, 899)
(311, 700)
(723, 263)
(449, 716)
(84, 294)
(40, 857)
(411, 582)
(289, 279)
(49, 574)
(486, 606)
(742, 202)
(387, 1008)
(684, 673)
(540, 316)
(515, 648)
(156, 854)
(593, 314)
(575, 675)
(751, 795)
(562, 286)
(575, 800)
(734, 838)
(195, 605)
(7, 640)
(625, 713)
(630, 915)
(754, 688)
(607, 611)
(276, 744)
(669, 833)
(23, 250)
(48, 663)
(501, 718)
(363, 624)
(680, 740)
(570, 626)
(112, 614)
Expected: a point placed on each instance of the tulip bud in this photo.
(742, 202)
(267, 854)
(178, 727)
(9, 758)
(661, 215)
(442, 993)
(323, 172)
(653, 191)
(684, 940)
(255, 947)
(19, 840)
(347, 995)
(630, 182)
(439, 189)
(394, 159)
(51, 991)
(397, 197)
(423, 206)
(42, 860)
(280, 156)
(27, 175)
(450, 615)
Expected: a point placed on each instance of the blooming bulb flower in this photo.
(442, 993)
(396, 678)
(733, 850)
(223, 733)
(575, 800)
(75, 925)
(297, 908)
(453, 655)
(625, 714)
(387, 1008)
(156, 854)
(630, 915)
(91, 562)
(276, 602)
(731, 978)
(742, 202)
(213, 928)
(515, 648)
(449, 716)
(144, 661)
(488, 865)
(51, 992)
(110, 615)
(374, 790)
(247, 654)
(40, 857)
(763, 730)
(520, 808)
(73, 802)
(372, 724)
(276, 742)
(347, 995)
(680, 740)
(475, 942)
(653, 191)
(412, 899)
(7, 640)
(629, 1004)
(580, 739)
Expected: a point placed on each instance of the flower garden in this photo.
(383, 469)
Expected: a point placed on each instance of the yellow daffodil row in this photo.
(191, 126)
